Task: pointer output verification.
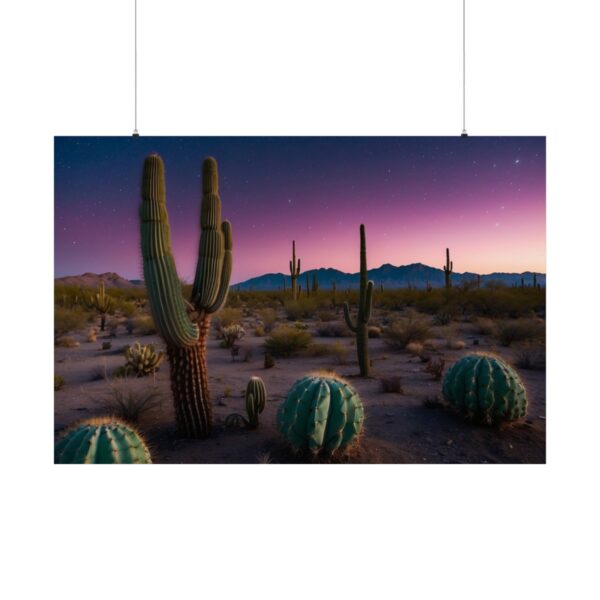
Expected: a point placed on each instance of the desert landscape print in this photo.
(300, 300)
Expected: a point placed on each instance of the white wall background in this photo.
(298, 67)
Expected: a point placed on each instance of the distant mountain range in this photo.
(93, 280)
(416, 275)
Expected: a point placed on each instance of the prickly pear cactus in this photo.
(322, 413)
(256, 398)
(101, 441)
(485, 389)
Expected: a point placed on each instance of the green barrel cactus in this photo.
(365, 304)
(322, 413)
(104, 440)
(256, 399)
(485, 389)
(185, 336)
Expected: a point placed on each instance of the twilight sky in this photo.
(484, 197)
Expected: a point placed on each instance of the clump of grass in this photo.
(91, 335)
(412, 328)
(325, 316)
(509, 331)
(435, 367)
(442, 317)
(415, 349)
(59, 382)
(269, 362)
(484, 326)
(130, 403)
(259, 331)
(300, 325)
(530, 356)
(287, 341)
(336, 350)
(332, 329)
(303, 308)
(374, 332)
(268, 317)
(67, 342)
(392, 385)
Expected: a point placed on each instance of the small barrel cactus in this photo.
(485, 389)
(142, 360)
(103, 440)
(256, 398)
(322, 413)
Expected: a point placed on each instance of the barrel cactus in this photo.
(185, 335)
(486, 389)
(103, 440)
(322, 413)
(141, 361)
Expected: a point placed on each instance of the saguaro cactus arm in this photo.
(348, 318)
(160, 274)
(225, 269)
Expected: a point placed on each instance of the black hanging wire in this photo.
(464, 75)
(135, 69)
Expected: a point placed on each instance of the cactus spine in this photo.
(104, 440)
(294, 271)
(365, 303)
(186, 339)
(448, 270)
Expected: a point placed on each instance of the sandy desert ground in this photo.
(399, 428)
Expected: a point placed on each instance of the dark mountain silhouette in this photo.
(416, 275)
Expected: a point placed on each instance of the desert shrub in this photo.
(412, 328)
(130, 403)
(303, 308)
(59, 382)
(91, 335)
(339, 352)
(333, 329)
(416, 349)
(259, 331)
(125, 307)
(142, 361)
(530, 355)
(435, 367)
(300, 325)
(287, 341)
(227, 316)
(374, 332)
(442, 317)
(268, 316)
(519, 330)
(449, 335)
(67, 342)
(143, 324)
(326, 315)
(67, 319)
(392, 385)
(484, 326)
(231, 334)
(269, 362)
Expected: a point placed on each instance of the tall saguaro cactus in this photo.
(101, 302)
(294, 271)
(365, 303)
(448, 270)
(185, 337)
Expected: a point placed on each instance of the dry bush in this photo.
(332, 329)
(67, 319)
(412, 328)
(91, 335)
(337, 350)
(130, 403)
(326, 315)
(520, 330)
(59, 382)
(300, 325)
(259, 331)
(530, 355)
(67, 342)
(415, 348)
(287, 341)
(442, 318)
(269, 363)
(484, 326)
(143, 324)
(231, 334)
(374, 332)
(392, 385)
(303, 308)
(227, 316)
(268, 316)
(435, 367)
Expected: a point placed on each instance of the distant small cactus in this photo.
(142, 361)
(256, 398)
